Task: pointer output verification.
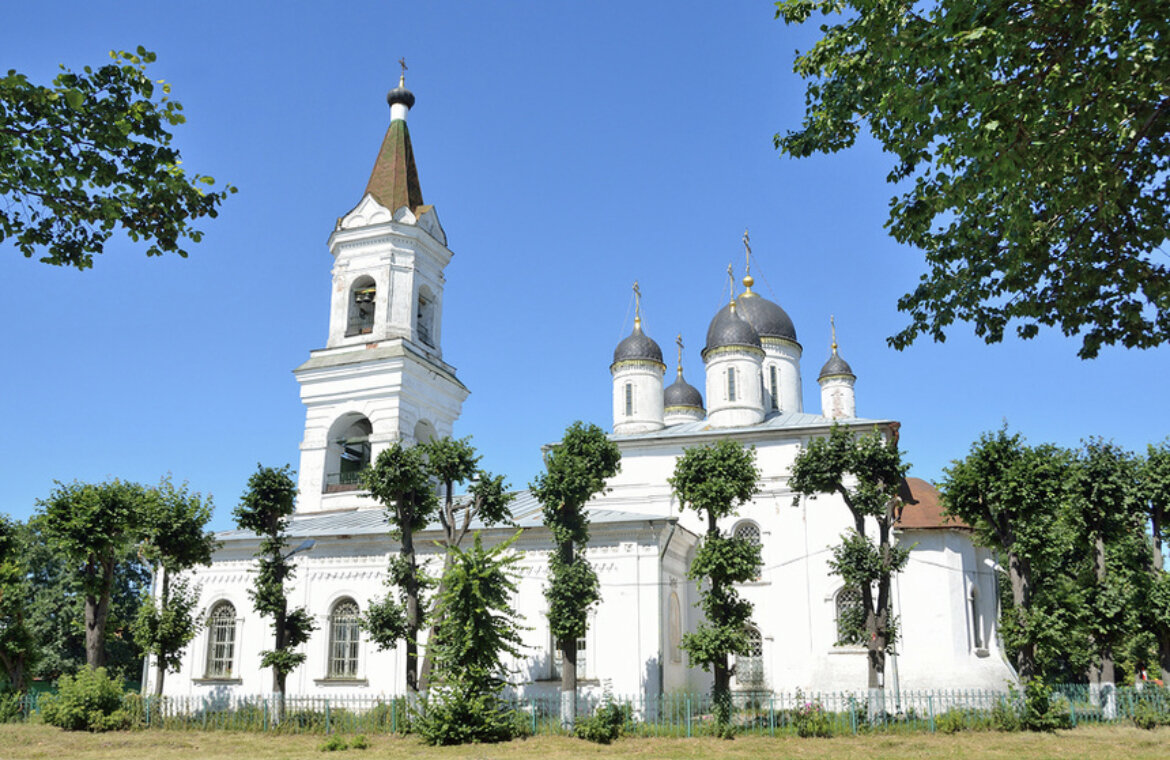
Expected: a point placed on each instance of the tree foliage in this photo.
(1032, 146)
(867, 472)
(93, 526)
(400, 481)
(714, 481)
(575, 471)
(91, 153)
(477, 629)
(18, 646)
(174, 538)
(1154, 494)
(264, 509)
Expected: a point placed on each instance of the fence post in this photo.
(328, 725)
(264, 713)
(688, 715)
(853, 714)
(393, 715)
(772, 714)
(930, 709)
(532, 709)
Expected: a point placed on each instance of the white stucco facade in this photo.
(381, 377)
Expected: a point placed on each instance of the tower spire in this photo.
(679, 341)
(833, 328)
(731, 284)
(394, 180)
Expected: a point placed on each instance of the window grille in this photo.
(775, 387)
(629, 399)
(221, 640)
(731, 384)
(850, 617)
(344, 638)
(582, 659)
(976, 623)
(749, 667)
(748, 531)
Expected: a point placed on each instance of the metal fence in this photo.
(679, 715)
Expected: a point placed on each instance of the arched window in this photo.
(221, 640)
(344, 638)
(749, 667)
(976, 621)
(747, 531)
(361, 307)
(674, 629)
(731, 384)
(850, 617)
(352, 447)
(629, 399)
(773, 378)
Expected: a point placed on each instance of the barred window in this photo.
(976, 621)
(731, 384)
(221, 640)
(775, 387)
(850, 617)
(748, 531)
(344, 637)
(749, 667)
(583, 669)
(629, 399)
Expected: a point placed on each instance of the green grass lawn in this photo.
(27, 741)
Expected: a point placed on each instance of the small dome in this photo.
(682, 393)
(400, 95)
(768, 318)
(637, 346)
(836, 366)
(728, 328)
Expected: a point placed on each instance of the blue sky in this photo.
(570, 148)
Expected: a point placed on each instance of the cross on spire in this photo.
(679, 341)
(731, 284)
(637, 305)
(747, 245)
(833, 327)
(402, 76)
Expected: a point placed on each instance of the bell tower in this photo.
(381, 376)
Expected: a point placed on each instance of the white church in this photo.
(382, 377)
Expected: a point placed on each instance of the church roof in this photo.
(394, 180)
(768, 318)
(682, 393)
(777, 421)
(835, 366)
(526, 511)
(923, 508)
(728, 328)
(637, 345)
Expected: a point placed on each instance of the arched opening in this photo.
(425, 317)
(344, 639)
(348, 453)
(361, 307)
(774, 385)
(221, 641)
(424, 431)
(749, 667)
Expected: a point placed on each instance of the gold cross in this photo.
(637, 304)
(678, 340)
(402, 76)
(747, 244)
(731, 282)
(833, 326)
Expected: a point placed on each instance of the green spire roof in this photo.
(394, 181)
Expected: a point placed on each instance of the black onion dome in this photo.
(682, 393)
(836, 366)
(728, 328)
(768, 318)
(400, 95)
(638, 346)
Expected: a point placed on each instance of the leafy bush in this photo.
(11, 706)
(812, 720)
(1005, 716)
(951, 722)
(89, 701)
(359, 742)
(464, 715)
(607, 723)
(333, 744)
(1148, 716)
(1041, 711)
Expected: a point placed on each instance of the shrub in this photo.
(11, 706)
(333, 744)
(1005, 716)
(950, 722)
(1146, 715)
(607, 723)
(89, 701)
(1041, 711)
(812, 720)
(359, 742)
(462, 716)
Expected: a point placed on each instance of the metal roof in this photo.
(777, 421)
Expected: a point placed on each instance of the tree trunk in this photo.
(97, 612)
(1020, 576)
(1105, 672)
(160, 668)
(721, 692)
(424, 673)
(568, 647)
(413, 616)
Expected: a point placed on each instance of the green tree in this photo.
(1031, 144)
(174, 539)
(575, 471)
(714, 481)
(867, 472)
(453, 461)
(264, 509)
(1154, 475)
(91, 153)
(18, 646)
(1015, 497)
(93, 526)
(400, 481)
(477, 628)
